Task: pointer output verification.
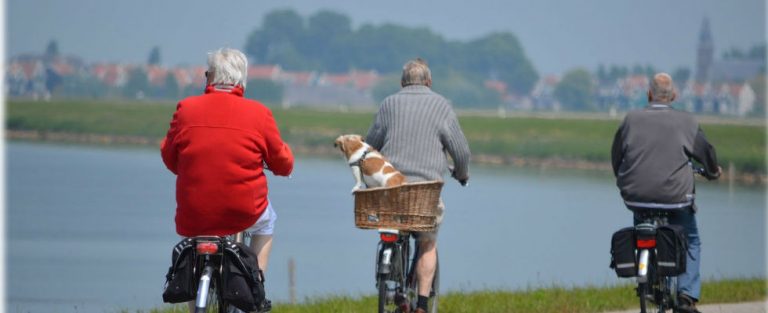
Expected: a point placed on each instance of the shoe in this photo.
(686, 304)
(419, 310)
(402, 303)
(266, 307)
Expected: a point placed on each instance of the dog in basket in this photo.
(368, 165)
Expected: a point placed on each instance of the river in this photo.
(90, 229)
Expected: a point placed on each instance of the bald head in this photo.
(662, 89)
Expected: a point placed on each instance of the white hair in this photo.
(662, 88)
(415, 72)
(228, 67)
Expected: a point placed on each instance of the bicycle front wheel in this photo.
(434, 295)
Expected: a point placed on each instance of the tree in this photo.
(52, 50)
(681, 75)
(154, 56)
(386, 86)
(758, 85)
(501, 55)
(328, 36)
(602, 75)
(137, 85)
(280, 28)
(575, 91)
(264, 90)
(79, 86)
(466, 92)
(171, 86)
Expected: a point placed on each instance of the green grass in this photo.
(531, 137)
(545, 300)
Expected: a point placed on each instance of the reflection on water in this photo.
(91, 229)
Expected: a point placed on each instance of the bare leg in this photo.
(262, 246)
(425, 267)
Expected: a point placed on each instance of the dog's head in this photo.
(348, 144)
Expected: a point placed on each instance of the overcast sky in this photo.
(557, 34)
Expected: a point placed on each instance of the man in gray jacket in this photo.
(413, 129)
(650, 155)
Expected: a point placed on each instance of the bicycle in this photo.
(656, 290)
(396, 278)
(209, 255)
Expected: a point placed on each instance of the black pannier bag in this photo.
(180, 285)
(671, 250)
(623, 259)
(242, 281)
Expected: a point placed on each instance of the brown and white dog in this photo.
(363, 159)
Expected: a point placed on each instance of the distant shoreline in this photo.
(309, 150)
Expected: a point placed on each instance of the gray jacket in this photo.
(651, 154)
(414, 128)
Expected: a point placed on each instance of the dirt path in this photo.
(745, 307)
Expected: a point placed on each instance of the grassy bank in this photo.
(501, 140)
(548, 300)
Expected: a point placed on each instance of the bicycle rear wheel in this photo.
(388, 290)
(213, 303)
(651, 298)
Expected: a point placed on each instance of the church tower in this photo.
(705, 54)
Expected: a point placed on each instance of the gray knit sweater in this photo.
(414, 128)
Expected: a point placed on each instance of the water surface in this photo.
(90, 229)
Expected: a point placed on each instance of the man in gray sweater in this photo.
(413, 129)
(650, 155)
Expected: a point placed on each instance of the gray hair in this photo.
(662, 88)
(416, 72)
(228, 66)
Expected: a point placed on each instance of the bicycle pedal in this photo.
(402, 303)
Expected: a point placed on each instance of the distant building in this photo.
(720, 86)
(705, 54)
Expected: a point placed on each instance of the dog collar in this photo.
(360, 160)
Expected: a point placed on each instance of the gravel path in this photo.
(746, 307)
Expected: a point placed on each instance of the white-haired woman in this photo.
(216, 145)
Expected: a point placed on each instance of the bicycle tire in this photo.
(214, 302)
(643, 293)
(387, 303)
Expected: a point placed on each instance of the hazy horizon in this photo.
(556, 35)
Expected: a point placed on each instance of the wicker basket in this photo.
(411, 207)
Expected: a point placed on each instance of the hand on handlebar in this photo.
(463, 181)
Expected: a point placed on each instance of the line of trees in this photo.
(326, 41)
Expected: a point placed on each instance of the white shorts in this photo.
(265, 225)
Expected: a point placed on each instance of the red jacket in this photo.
(216, 145)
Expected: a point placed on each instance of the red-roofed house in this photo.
(264, 71)
(156, 75)
(113, 75)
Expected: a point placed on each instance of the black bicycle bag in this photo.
(623, 259)
(180, 283)
(671, 250)
(241, 279)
